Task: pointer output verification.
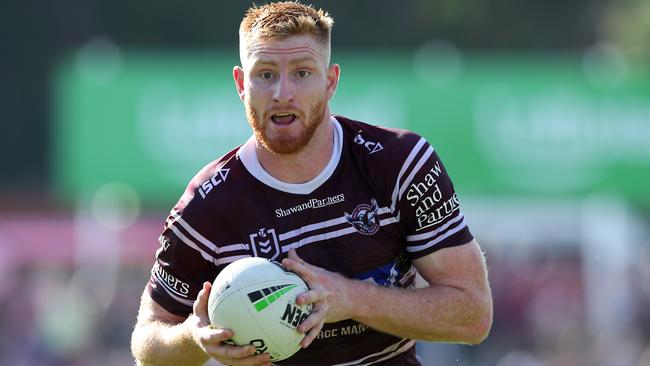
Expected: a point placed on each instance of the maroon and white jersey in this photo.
(383, 199)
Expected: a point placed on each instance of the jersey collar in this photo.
(248, 157)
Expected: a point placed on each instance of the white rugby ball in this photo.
(256, 298)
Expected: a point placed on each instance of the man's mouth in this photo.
(283, 118)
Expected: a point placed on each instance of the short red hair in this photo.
(284, 19)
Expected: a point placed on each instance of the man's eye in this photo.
(303, 73)
(266, 75)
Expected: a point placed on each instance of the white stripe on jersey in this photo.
(407, 162)
(191, 244)
(196, 234)
(232, 258)
(320, 237)
(383, 210)
(208, 257)
(433, 233)
(402, 349)
(437, 240)
(421, 162)
(311, 227)
(390, 351)
(218, 260)
(322, 225)
(387, 221)
(327, 235)
(206, 242)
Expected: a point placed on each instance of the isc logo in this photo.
(293, 315)
(216, 179)
(371, 146)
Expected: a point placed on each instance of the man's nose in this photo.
(284, 90)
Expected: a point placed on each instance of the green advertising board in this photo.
(504, 125)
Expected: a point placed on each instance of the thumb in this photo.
(200, 307)
(294, 255)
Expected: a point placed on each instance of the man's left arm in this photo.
(455, 307)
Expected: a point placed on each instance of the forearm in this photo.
(436, 313)
(161, 344)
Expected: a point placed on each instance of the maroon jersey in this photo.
(383, 199)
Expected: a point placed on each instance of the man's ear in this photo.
(333, 72)
(238, 75)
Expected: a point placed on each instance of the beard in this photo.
(285, 143)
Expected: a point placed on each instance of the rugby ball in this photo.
(256, 298)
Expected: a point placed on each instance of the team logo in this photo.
(364, 218)
(265, 243)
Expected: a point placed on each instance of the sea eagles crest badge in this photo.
(265, 243)
(364, 218)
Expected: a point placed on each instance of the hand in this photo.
(330, 294)
(210, 339)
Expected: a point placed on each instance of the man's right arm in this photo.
(161, 338)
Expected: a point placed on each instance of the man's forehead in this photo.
(302, 46)
(304, 51)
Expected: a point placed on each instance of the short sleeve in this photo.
(182, 264)
(429, 208)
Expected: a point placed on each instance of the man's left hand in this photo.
(330, 293)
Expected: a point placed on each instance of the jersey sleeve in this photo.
(176, 276)
(183, 262)
(428, 207)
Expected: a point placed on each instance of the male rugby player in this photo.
(355, 209)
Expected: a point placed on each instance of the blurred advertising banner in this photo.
(505, 125)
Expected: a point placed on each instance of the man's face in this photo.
(285, 84)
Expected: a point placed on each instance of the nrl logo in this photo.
(265, 243)
(364, 218)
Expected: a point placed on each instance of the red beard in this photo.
(285, 144)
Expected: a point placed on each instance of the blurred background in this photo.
(539, 109)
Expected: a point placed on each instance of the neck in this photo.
(305, 165)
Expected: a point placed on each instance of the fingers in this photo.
(316, 316)
(294, 255)
(312, 334)
(296, 264)
(325, 288)
(258, 360)
(310, 297)
(313, 324)
(292, 259)
(223, 351)
(209, 335)
(211, 341)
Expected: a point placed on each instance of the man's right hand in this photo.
(211, 340)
